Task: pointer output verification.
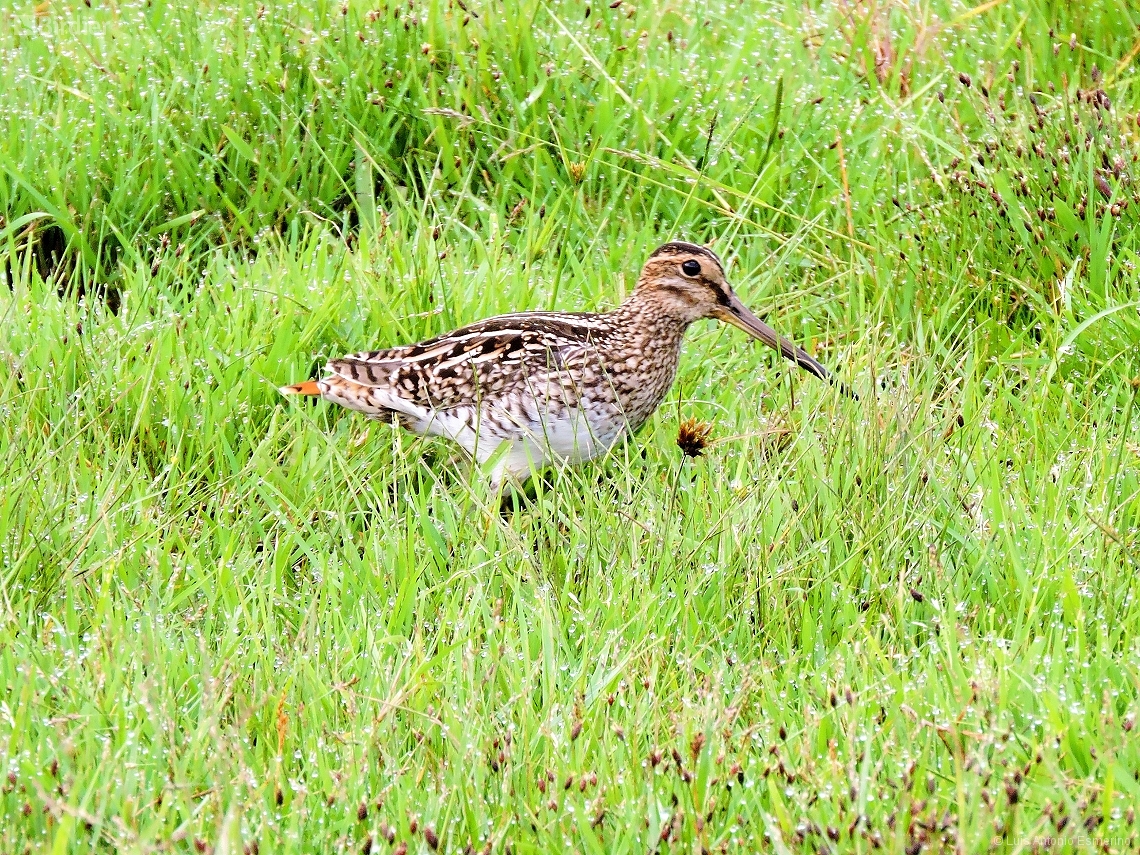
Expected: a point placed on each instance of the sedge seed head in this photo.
(693, 437)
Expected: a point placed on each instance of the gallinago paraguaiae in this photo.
(553, 386)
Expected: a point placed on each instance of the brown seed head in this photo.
(695, 746)
(693, 437)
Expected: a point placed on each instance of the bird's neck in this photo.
(646, 318)
(642, 351)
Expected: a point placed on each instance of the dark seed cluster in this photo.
(693, 437)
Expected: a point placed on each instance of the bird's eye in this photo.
(691, 268)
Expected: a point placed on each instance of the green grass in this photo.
(235, 622)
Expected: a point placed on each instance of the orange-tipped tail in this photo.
(309, 387)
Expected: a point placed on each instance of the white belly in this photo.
(520, 449)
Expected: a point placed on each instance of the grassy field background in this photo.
(234, 623)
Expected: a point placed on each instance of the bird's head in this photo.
(687, 282)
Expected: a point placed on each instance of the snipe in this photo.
(551, 385)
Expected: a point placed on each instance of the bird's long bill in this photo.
(737, 314)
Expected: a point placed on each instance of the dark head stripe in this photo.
(680, 247)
